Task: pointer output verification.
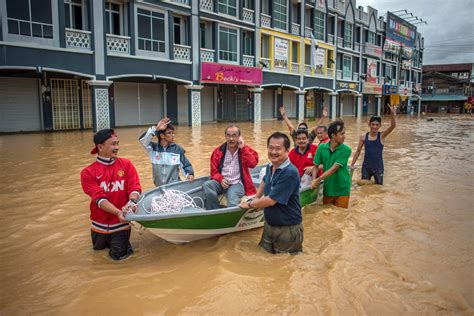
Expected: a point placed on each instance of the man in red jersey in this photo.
(302, 156)
(114, 186)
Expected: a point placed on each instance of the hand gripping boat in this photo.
(195, 223)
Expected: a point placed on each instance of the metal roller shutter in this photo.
(267, 104)
(207, 104)
(19, 105)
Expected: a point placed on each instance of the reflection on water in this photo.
(406, 247)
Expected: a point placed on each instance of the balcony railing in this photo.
(248, 15)
(307, 70)
(265, 20)
(207, 5)
(266, 62)
(182, 52)
(295, 68)
(348, 45)
(207, 55)
(331, 39)
(339, 41)
(185, 2)
(78, 39)
(295, 29)
(117, 44)
(339, 74)
(308, 31)
(355, 76)
(330, 73)
(248, 60)
(357, 47)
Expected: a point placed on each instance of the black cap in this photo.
(100, 137)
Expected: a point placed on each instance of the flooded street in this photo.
(405, 247)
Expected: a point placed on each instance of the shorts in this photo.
(281, 239)
(339, 201)
(119, 243)
(367, 174)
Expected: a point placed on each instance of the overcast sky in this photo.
(449, 34)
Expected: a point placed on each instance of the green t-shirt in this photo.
(339, 183)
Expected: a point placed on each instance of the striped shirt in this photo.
(230, 168)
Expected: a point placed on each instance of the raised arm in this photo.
(321, 120)
(285, 118)
(358, 150)
(393, 122)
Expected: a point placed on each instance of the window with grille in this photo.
(248, 43)
(347, 67)
(348, 34)
(319, 22)
(73, 12)
(113, 16)
(371, 37)
(151, 31)
(30, 18)
(228, 44)
(228, 7)
(280, 15)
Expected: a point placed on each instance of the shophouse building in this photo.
(447, 87)
(78, 64)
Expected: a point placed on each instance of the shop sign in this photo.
(347, 85)
(373, 50)
(280, 60)
(230, 74)
(389, 89)
(371, 70)
(399, 30)
(404, 91)
(371, 88)
(394, 99)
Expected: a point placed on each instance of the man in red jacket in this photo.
(230, 170)
(114, 187)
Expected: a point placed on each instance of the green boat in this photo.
(198, 223)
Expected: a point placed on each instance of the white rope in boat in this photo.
(172, 202)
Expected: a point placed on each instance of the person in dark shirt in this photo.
(278, 194)
(374, 141)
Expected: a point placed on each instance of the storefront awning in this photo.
(443, 97)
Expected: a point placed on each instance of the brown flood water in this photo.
(405, 247)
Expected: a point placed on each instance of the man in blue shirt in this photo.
(279, 195)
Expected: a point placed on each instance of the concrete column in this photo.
(98, 38)
(333, 105)
(257, 104)
(419, 107)
(379, 104)
(300, 108)
(194, 105)
(359, 106)
(102, 114)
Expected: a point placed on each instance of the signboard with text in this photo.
(280, 59)
(372, 88)
(394, 99)
(371, 75)
(347, 85)
(400, 30)
(372, 50)
(389, 89)
(230, 74)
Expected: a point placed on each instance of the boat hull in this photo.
(195, 224)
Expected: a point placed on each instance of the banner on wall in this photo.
(399, 30)
(371, 70)
(281, 52)
(230, 74)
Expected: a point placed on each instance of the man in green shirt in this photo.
(334, 156)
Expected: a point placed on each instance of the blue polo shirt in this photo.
(284, 188)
